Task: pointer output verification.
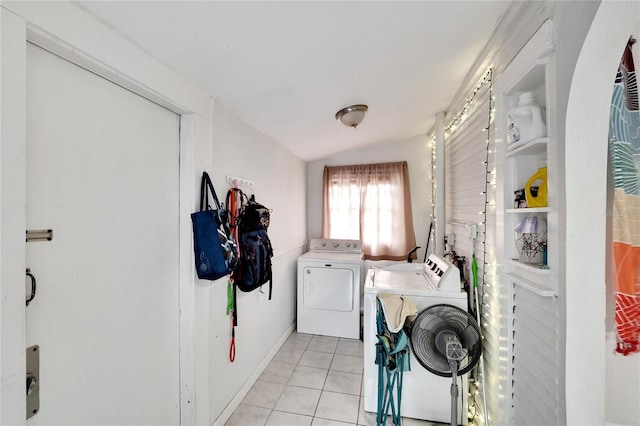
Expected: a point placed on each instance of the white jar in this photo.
(525, 121)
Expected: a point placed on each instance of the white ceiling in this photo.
(286, 68)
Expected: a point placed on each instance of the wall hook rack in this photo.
(236, 182)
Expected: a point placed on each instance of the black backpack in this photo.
(254, 268)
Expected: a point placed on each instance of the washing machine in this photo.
(329, 288)
(425, 395)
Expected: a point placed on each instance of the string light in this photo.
(468, 103)
(488, 271)
(488, 182)
(432, 139)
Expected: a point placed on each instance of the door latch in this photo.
(33, 380)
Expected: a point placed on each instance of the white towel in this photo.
(396, 310)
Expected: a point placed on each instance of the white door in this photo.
(103, 174)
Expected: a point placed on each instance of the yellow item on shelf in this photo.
(540, 199)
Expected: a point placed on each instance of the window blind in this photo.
(470, 194)
(534, 358)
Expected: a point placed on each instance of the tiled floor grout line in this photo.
(287, 413)
(322, 390)
(305, 350)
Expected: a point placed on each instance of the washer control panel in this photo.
(442, 273)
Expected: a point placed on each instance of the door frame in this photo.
(69, 32)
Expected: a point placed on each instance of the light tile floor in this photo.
(312, 380)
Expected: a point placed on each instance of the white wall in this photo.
(279, 177)
(571, 26)
(212, 139)
(599, 385)
(414, 150)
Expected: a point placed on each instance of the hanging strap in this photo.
(234, 201)
(205, 184)
(235, 305)
(232, 347)
(230, 296)
(231, 300)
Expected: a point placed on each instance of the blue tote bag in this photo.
(216, 253)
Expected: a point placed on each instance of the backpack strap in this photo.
(270, 288)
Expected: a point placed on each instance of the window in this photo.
(370, 202)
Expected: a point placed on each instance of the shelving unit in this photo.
(535, 268)
(530, 287)
(529, 210)
(533, 147)
(528, 259)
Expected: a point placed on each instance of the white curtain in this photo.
(370, 202)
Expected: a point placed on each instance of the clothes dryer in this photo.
(425, 395)
(329, 288)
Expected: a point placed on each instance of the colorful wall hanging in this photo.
(624, 138)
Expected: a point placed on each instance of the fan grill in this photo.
(442, 320)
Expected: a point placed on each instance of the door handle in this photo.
(33, 286)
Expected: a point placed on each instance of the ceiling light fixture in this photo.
(352, 115)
